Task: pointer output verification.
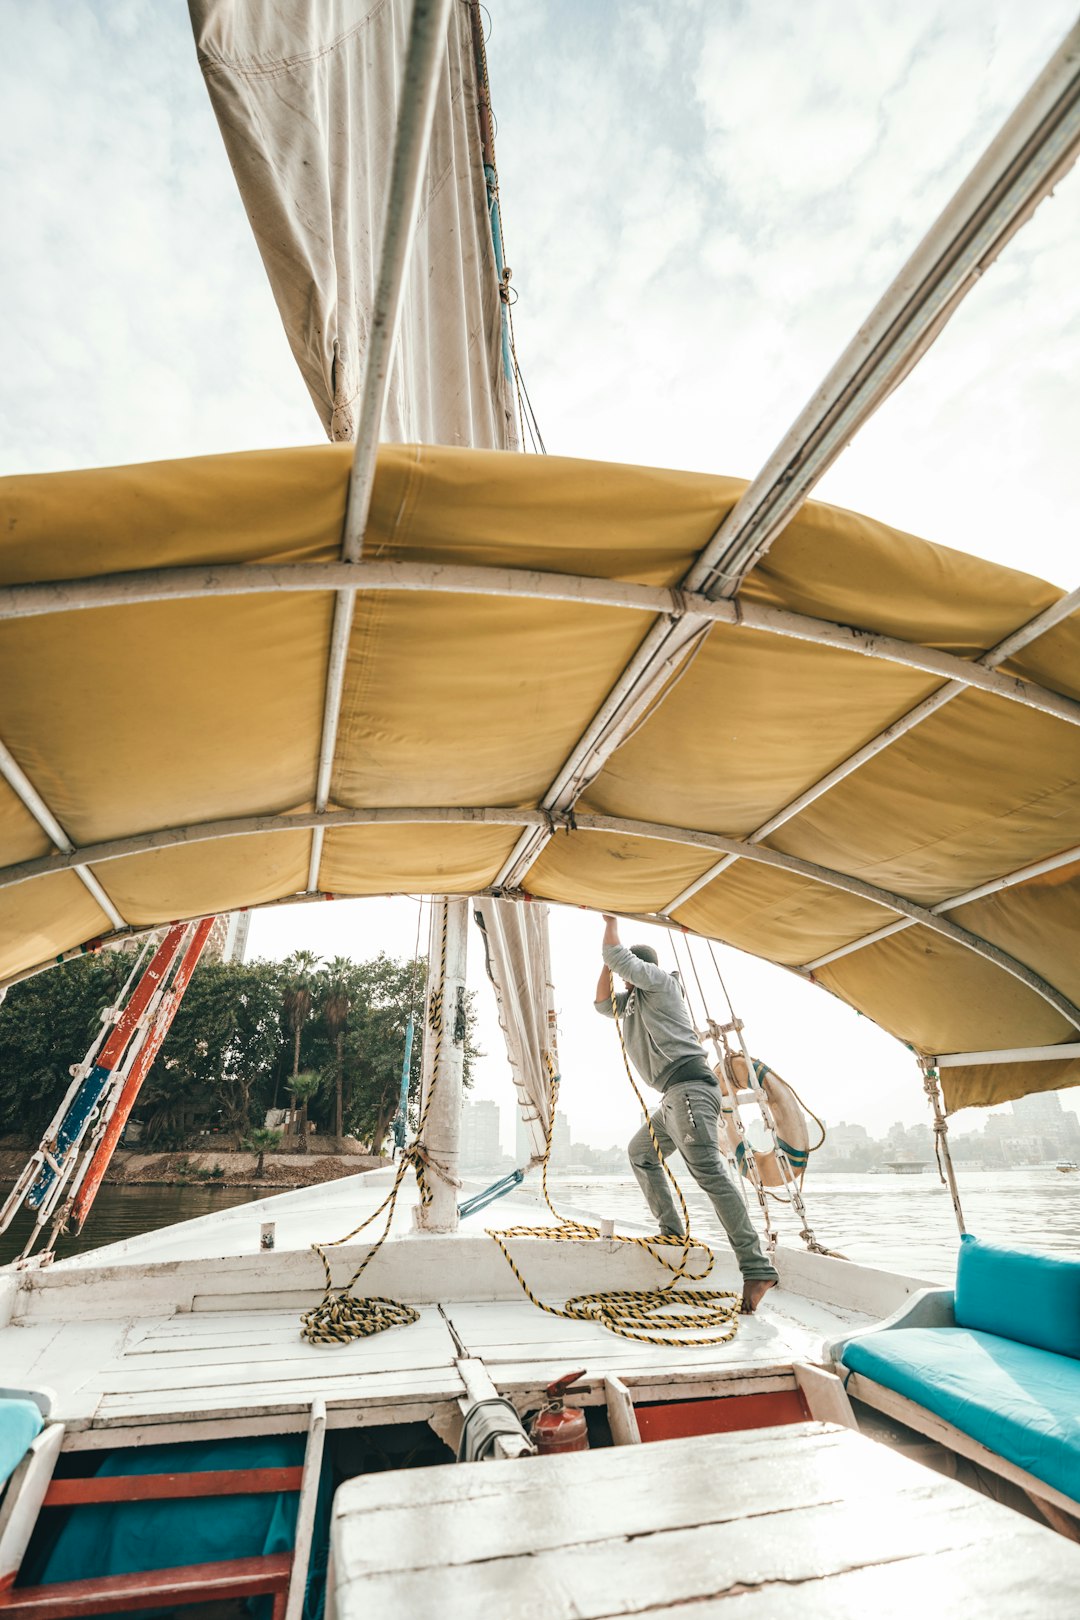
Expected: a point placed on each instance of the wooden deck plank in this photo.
(263, 1374)
(236, 1399)
(299, 1361)
(607, 1469)
(636, 1502)
(672, 1566)
(207, 1343)
(1008, 1578)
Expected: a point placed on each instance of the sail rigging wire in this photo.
(791, 1178)
(526, 413)
(738, 1179)
(748, 1158)
(401, 1118)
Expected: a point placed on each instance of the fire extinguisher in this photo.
(558, 1427)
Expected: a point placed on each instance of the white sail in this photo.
(307, 101)
(307, 98)
(519, 966)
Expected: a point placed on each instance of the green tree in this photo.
(224, 1045)
(46, 1026)
(306, 1085)
(300, 970)
(336, 1001)
(263, 1142)
(238, 1028)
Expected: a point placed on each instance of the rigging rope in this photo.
(401, 1118)
(792, 1181)
(341, 1316)
(634, 1313)
(747, 1158)
(526, 413)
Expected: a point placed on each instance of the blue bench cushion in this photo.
(1021, 1403)
(20, 1424)
(1033, 1298)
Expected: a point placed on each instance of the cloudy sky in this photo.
(702, 201)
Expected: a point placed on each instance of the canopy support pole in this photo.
(1019, 638)
(941, 1139)
(423, 65)
(1033, 149)
(444, 1062)
(24, 790)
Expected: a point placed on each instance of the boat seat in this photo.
(997, 1362)
(1022, 1403)
(21, 1422)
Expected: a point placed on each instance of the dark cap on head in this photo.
(645, 953)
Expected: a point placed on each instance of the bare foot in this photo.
(754, 1292)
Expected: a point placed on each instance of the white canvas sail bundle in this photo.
(519, 966)
(307, 100)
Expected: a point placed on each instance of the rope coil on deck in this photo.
(341, 1316)
(647, 1315)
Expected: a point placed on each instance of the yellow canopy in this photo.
(500, 598)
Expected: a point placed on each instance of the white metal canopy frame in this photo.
(1034, 149)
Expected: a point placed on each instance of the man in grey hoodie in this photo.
(663, 1046)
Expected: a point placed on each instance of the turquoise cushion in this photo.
(20, 1424)
(1033, 1298)
(1022, 1404)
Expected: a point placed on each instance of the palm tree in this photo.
(300, 969)
(263, 1142)
(304, 1088)
(336, 1006)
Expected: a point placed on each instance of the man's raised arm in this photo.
(602, 1001)
(645, 975)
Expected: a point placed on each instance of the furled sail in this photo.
(519, 967)
(307, 99)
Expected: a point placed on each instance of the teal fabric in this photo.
(119, 1538)
(20, 1424)
(1023, 1404)
(1032, 1298)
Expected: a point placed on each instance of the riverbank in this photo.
(281, 1171)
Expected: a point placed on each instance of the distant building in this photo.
(1041, 1108)
(480, 1146)
(847, 1141)
(560, 1142)
(1040, 1129)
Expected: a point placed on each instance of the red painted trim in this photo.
(143, 1063)
(156, 1487)
(161, 962)
(725, 1414)
(195, 1583)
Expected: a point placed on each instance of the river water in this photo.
(900, 1223)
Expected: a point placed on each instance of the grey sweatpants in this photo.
(685, 1123)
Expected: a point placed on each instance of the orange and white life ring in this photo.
(792, 1130)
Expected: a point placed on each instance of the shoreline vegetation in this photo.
(282, 1172)
(264, 1057)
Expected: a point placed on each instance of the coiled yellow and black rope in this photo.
(661, 1315)
(341, 1316)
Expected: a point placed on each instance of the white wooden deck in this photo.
(196, 1327)
(807, 1521)
(118, 1381)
